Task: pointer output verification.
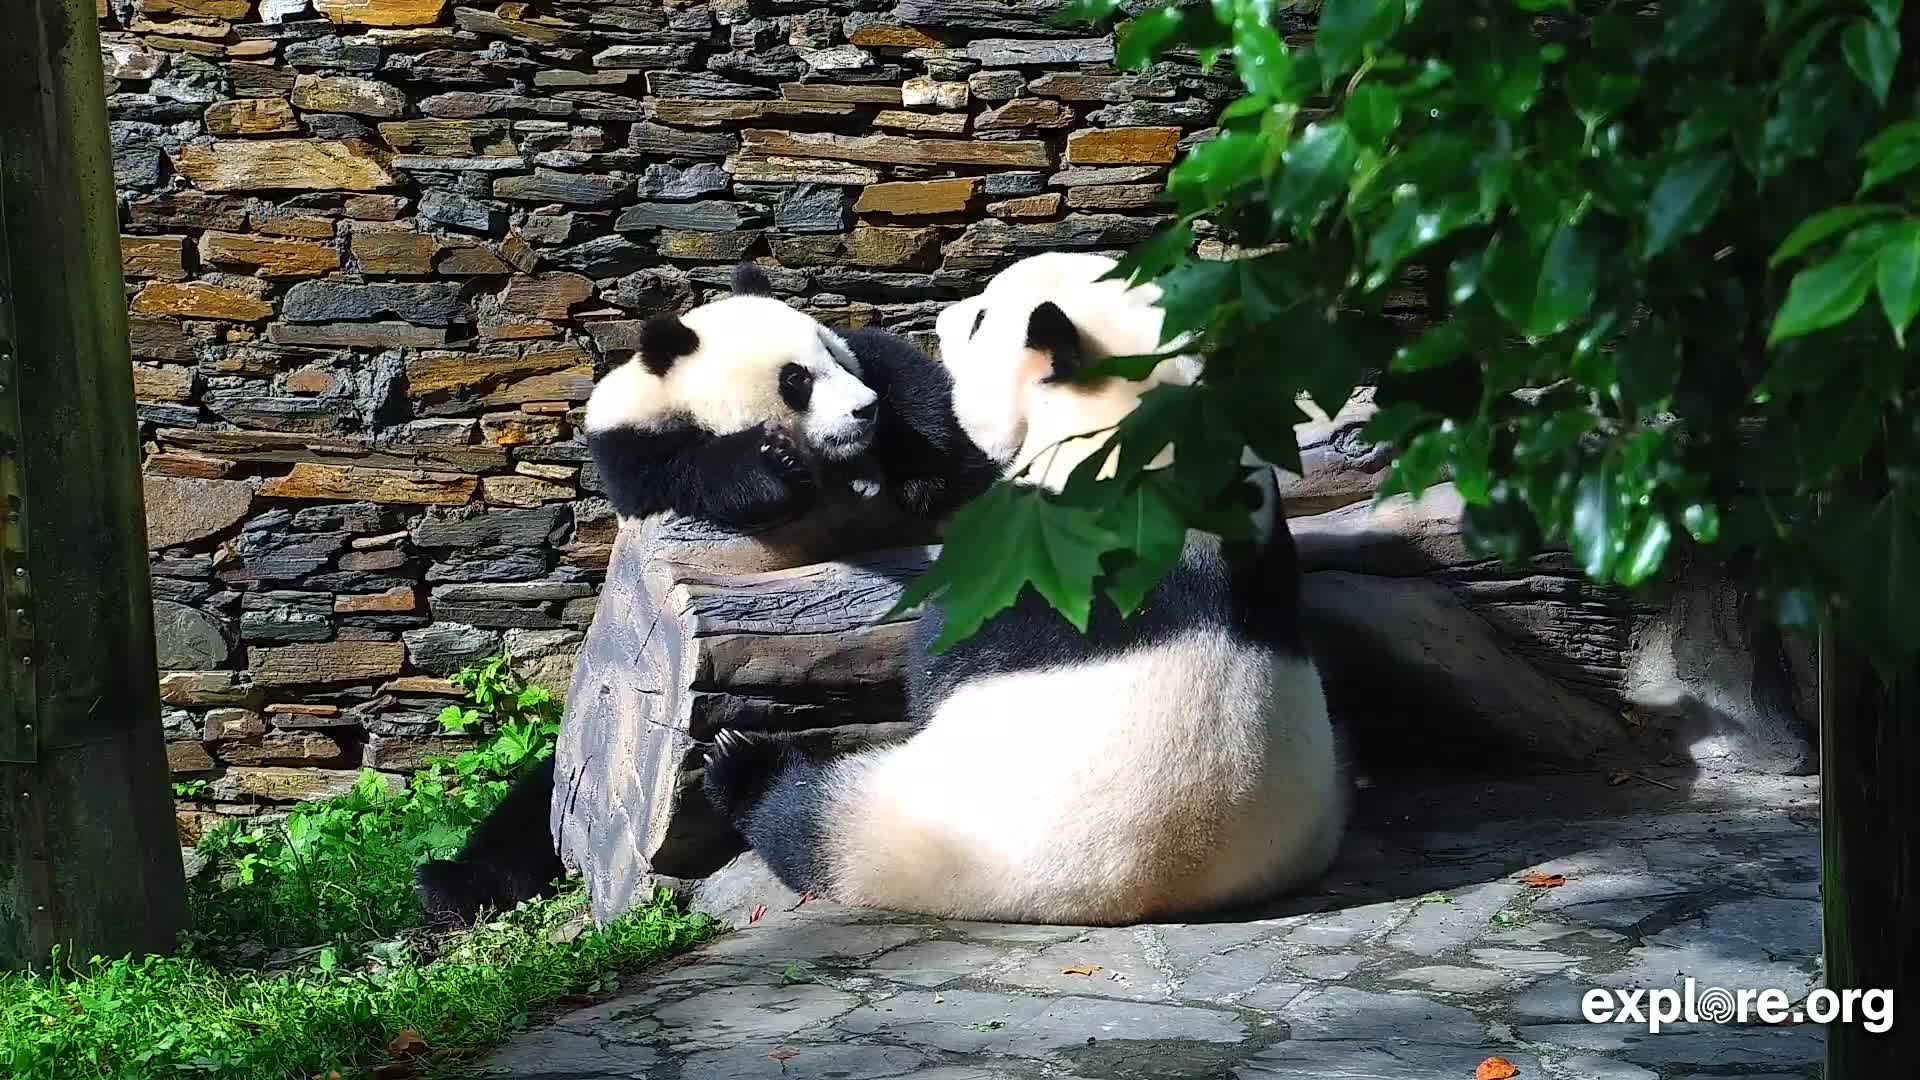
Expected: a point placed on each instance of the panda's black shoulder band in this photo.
(664, 339)
(750, 280)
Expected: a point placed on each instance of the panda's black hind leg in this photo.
(509, 857)
(775, 795)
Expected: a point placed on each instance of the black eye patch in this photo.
(796, 387)
(978, 318)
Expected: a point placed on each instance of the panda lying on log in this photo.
(737, 413)
(1176, 762)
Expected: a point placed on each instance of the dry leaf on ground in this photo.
(1543, 881)
(758, 910)
(1495, 1068)
(1080, 969)
(407, 1042)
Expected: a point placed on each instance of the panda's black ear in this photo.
(664, 339)
(750, 280)
(1051, 332)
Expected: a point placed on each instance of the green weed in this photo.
(308, 955)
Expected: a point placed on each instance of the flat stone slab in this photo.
(1419, 956)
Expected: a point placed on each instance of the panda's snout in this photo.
(866, 413)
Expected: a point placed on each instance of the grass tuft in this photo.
(308, 957)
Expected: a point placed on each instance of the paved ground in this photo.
(1420, 957)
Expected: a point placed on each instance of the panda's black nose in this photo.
(868, 411)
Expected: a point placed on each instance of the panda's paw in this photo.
(780, 451)
(739, 767)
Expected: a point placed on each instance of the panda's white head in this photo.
(1014, 349)
(731, 364)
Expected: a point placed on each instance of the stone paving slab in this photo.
(1419, 956)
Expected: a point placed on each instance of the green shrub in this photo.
(308, 956)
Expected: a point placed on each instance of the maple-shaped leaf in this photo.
(1002, 542)
(1152, 536)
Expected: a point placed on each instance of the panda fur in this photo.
(728, 413)
(1173, 763)
(701, 424)
(508, 857)
(923, 457)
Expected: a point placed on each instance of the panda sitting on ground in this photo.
(1176, 762)
(738, 413)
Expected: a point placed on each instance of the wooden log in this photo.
(697, 628)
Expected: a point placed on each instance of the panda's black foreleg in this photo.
(509, 856)
(775, 795)
(747, 480)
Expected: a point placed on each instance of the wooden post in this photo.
(1869, 854)
(89, 860)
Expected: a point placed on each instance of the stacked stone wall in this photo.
(375, 247)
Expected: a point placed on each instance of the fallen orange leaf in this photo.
(784, 1053)
(1080, 969)
(1543, 881)
(407, 1042)
(1495, 1068)
(759, 910)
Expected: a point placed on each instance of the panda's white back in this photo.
(1182, 776)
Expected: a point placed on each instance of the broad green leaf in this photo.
(1151, 533)
(1824, 294)
(1543, 291)
(1394, 423)
(1148, 261)
(1087, 11)
(1472, 469)
(1348, 29)
(1500, 64)
(1260, 58)
(1647, 552)
(1648, 366)
(1192, 293)
(1421, 463)
(1415, 225)
(1898, 279)
(1438, 346)
(1597, 522)
(1216, 167)
(1825, 224)
(1685, 199)
(1887, 11)
(1139, 41)
(1892, 154)
(1314, 171)
(1372, 114)
(1702, 520)
(1872, 48)
(1001, 543)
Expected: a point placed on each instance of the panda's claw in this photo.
(784, 454)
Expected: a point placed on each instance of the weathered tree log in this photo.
(699, 628)
(1428, 651)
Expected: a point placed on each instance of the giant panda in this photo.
(727, 413)
(738, 413)
(1176, 762)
